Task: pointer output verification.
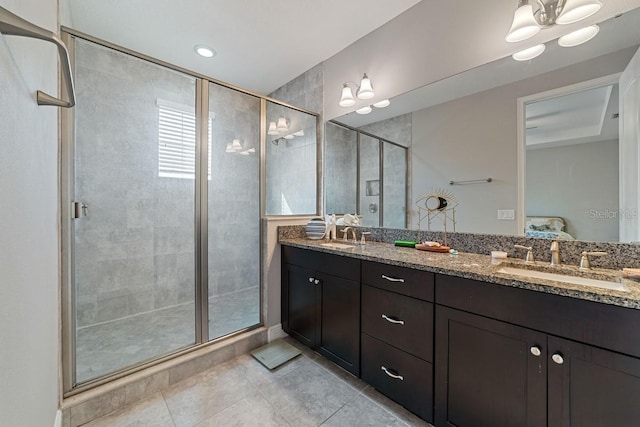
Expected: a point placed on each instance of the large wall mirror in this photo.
(466, 128)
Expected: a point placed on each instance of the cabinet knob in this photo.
(316, 281)
(310, 279)
(557, 357)
(535, 350)
(392, 374)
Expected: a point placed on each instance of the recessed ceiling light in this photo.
(205, 51)
(530, 53)
(364, 110)
(578, 37)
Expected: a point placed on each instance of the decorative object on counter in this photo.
(331, 233)
(316, 228)
(433, 247)
(405, 243)
(440, 203)
(498, 254)
(631, 273)
(349, 219)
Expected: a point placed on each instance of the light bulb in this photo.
(365, 91)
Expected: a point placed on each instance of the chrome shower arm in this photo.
(13, 25)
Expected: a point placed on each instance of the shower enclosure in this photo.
(162, 201)
(367, 175)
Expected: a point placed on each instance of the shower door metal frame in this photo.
(67, 176)
(381, 142)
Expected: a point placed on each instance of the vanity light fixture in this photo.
(382, 104)
(578, 37)
(530, 53)
(527, 22)
(363, 91)
(282, 125)
(204, 51)
(364, 110)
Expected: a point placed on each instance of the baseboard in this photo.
(58, 420)
(275, 332)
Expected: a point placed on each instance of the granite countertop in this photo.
(482, 267)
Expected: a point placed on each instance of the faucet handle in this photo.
(530, 259)
(585, 262)
(345, 232)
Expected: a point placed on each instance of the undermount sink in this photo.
(337, 245)
(564, 278)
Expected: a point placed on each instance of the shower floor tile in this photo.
(111, 346)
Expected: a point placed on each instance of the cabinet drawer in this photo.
(403, 322)
(406, 281)
(341, 266)
(413, 383)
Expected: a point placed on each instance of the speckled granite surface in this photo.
(475, 266)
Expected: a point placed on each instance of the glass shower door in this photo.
(234, 211)
(133, 187)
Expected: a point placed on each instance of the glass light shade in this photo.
(365, 91)
(204, 51)
(272, 129)
(530, 53)
(346, 100)
(290, 136)
(577, 10)
(382, 104)
(299, 133)
(236, 145)
(578, 37)
(524, 25)
(364, 110)
(282, 125)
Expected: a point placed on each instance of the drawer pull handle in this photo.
(392, 320)
(392, 279)
(392, 374)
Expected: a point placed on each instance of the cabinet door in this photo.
(589, 386)
(300, 310)
(340, 322)
(488, 373)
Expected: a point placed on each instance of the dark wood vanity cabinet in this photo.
(507, 356)
(397, 334)
(321, 304)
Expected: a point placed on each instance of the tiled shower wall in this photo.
(135, 249)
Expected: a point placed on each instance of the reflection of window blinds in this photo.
(177, 141)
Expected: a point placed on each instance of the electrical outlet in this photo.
(506, 214)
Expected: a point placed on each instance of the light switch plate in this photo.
(506, 214)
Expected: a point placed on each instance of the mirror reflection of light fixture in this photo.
(363, 91)
(364, 110)
(576, 38)
(299, 133)
(530, 53)
(382, 104)
(527, 22)
(290, 136)
(272, 129)
(282, 125)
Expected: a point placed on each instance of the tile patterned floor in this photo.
(307, 391)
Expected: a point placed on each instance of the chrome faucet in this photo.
(555, 253)
(346, 230)
(585, 262)
(530, 259)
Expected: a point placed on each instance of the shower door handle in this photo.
(79, 210)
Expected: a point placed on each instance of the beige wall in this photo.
(28, 224)
(475, 137)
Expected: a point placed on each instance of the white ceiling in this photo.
(260, 44)
(585, 116)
